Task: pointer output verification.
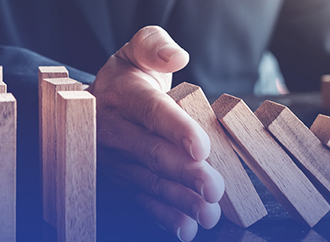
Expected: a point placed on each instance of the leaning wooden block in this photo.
(76, 156)
(7, 167)
(311, 155)
(48, 141)
(269, 161)
(241, 204)
(3, 86)
(321, 129)
(325, 91)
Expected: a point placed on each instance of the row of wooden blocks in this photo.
(67, 153)
(264, 139)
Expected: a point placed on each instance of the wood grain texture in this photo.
(46, 72)
(311, 156)
(321, 129)
(48, 142)
(8, 117)
(76, 179)
(269, 161)
(241, 204)
(3, 86)
(325, 91)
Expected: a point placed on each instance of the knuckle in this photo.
(149, 30)
(151, 109)
(156, 185)
(156, 154)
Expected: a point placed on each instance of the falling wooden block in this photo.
(311, 156)
(269, 161)
(3, 86)
(321, 129)
(325, 91)
(76, 157)
(241, 204)
(48, 141)
(8, 117)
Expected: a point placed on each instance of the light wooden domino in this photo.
(8, 127)
(311, 155)
(48, 140)
(321, 129)
(46, 72)
(3, 86)
(76, 157)
(270, 162)
(241, 203)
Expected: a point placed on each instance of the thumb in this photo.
(152, 49)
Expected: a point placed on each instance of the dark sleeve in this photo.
(301, 43)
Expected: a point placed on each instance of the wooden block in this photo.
(241, 204)
(76, 178)
(48, 141)
(8, 117)
(321, 129)
(3, 86)
(311, 156)
(46, 72)
(325, 91)
(269, 161)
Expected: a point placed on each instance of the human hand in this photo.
(164, 149)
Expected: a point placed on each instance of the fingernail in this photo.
(187, 143)
(178, 234)
(168, 51)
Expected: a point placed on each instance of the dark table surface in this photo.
(119, 219)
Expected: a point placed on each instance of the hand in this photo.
(164, 149)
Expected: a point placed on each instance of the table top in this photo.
(119, 219)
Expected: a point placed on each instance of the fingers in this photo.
(174, 206)
(167, 160)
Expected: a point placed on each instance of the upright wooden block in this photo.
(311, 155)
(269, 161)
(3, 86)
(46, 72)
(76, 178)
(321, 129)
(241, 203)
(8, 117)
(48, 141)
(325, 91)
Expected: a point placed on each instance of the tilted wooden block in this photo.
(3, 86)
(8, 117)
(48, 141)
(269, 161)
(76, 156)
(325, 91)
(312, 157)
(321, 129)
(241, 203)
